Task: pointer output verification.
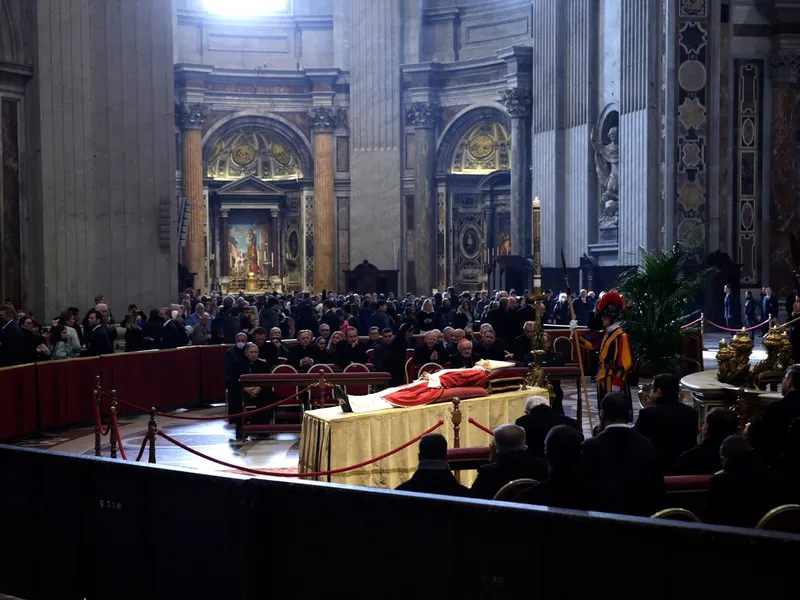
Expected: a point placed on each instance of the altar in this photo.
(331, 439)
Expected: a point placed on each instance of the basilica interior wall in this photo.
(99, 187)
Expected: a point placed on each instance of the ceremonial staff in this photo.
(577, 343)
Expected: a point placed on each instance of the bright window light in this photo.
(244, 8)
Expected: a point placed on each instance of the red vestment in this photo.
(419, 394)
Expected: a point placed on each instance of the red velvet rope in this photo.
(479, 426)
(98, 422)
(241, 414)
(737, 330)
(141, 450)
(119, 437)
(695, 322)
(315, 474)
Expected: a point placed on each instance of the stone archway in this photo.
(473, 184)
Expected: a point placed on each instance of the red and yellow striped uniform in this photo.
(615, 358)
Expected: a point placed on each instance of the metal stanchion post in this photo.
(152, 430)
(457, 429)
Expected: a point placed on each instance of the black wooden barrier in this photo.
(95, 528)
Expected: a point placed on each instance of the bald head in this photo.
(509, 438)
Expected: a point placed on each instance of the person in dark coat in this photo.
(729, 308)
(538, 420)
(750, 316)
(703, 459)
(428, 319)
(745, 490)
(153, 330)
(523, 344)
(30, 341)
(582, 306)
(465, 358)
(304, 354)
(565, 486)
(350, 350)
(266, 351)
(561, 312)
(174, 333)
(233, 356)
(509, 461)
(491, 348)
(623, 461)
(433, 474)
(669, 424)
(769, 307)
(768, 432)
(270, 316)
(431, 350)
(97, 342)
(329, 316)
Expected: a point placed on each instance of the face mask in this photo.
(240, 345)
(139, 322)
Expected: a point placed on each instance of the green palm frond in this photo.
(658, 298)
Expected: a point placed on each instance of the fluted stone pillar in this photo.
(423, 116)
(191, 118)
(518, 105)
(224, 260)
(324, 120)
(783, 201)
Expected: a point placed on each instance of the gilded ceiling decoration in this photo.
(252, 152)
(484, 149)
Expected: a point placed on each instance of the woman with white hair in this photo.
(427, 318)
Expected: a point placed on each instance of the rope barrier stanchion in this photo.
(456, 417)
(152, 431)
(98, 426)
(313, 474)
(113, 436)
(721, 328)
(479, 426)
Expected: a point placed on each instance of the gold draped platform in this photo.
(331, 439)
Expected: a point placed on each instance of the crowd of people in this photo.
(621, 469)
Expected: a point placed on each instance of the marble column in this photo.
(783, 201)
(191, 118)
(324, 120)
(423, 116)
(224, 260)
(518, 105)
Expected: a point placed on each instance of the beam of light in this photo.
(244, 8)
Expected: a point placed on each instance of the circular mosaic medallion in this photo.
(481, 146)
(243, 154)
(692, 76)
(281, 154)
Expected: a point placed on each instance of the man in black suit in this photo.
(431, 350)
(767, 433)
(491, 347)
(329, 317)
(350, 350)
(703, 459)
(260, 396)
(729, 308)
(433, 474)
(523, 344)
(669, 424)
(465, 359)
(509, 461)
(303, 355)
(538, 420)
(97, 342)
(745, 490)
(623, 461)
(769, 307)
(565, 486)
(174, 332)
(11, 338)
(266, 351)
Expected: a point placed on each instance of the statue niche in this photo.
(606, 160)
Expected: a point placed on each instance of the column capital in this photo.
(223, 213)
(191, 115)
(326, 118)
(517, 102)
(423, 115)
(785, 65)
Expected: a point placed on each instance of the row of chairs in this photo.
(785, 518)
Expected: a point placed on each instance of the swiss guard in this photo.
(615, 358)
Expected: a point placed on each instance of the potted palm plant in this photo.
(659, 300)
